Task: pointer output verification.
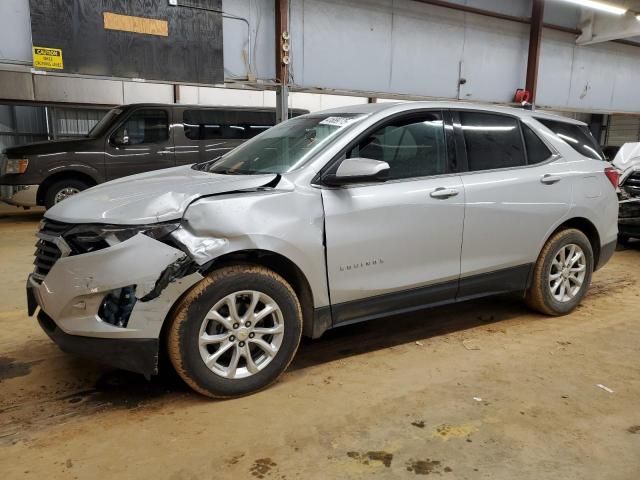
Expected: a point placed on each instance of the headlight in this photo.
(16, 165)
(89, 238)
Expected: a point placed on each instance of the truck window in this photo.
(577, 137)
(144, 126)
(226, 124)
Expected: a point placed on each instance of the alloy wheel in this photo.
(241, 334)
(567, 273)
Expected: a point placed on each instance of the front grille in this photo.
(53, 229)
(47, 254)
(632, 184)
(47, 250)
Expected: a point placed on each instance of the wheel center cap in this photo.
(242, 334)
(565, 273)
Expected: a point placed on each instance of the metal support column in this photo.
(282, 103)
(535, 41)
(282, 59)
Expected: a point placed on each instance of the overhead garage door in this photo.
(623, 129)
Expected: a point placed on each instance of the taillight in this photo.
(613, 175)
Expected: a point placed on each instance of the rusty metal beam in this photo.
(282, 26)
(477, 11)
(535, 42)
(282, 71)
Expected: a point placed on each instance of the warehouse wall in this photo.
(413, 49)
(423, 50)
(15, 31)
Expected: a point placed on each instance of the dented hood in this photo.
(150, 197)
(627, 159)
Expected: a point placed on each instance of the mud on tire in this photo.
(186, 330)
(539, 296)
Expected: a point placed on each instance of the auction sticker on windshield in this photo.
(338, 121)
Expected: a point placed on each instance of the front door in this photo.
(395, 246)
(143, 142)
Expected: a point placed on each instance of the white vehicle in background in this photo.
(627, 161)
(324, 220)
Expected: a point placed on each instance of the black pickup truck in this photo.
(129, 139)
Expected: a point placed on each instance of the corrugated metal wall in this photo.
(21, 124)
(383, 46)
(74, 122)
(623, 129)
(404, 47)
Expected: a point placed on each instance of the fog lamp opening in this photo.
(117, 306)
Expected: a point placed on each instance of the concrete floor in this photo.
(483, 390)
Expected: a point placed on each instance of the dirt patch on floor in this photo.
(403, 396)
(11, 368)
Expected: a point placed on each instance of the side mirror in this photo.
(358, 170)
(121, 138)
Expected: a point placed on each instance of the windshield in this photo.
(283, 148)
(105, 122)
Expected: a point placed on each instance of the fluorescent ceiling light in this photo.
(601, 6)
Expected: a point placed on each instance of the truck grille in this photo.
(632, 184)
(47, 247)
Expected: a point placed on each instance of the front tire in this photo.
(63, 189)
(235, 332)
(562, 273)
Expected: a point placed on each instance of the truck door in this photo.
(142, 142)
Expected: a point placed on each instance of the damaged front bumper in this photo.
(629, 216)
(141, 275)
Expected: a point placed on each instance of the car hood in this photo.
(150, 197)
(627, 160)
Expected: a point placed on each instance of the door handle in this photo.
(442, 193)
(548, 179)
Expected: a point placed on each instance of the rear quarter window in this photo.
(577, 137)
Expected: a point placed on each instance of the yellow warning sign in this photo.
(47, 58)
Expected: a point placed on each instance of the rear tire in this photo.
(217, 340)
(562, 273)
(63, 189)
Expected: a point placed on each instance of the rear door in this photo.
(395, 246)
(142, 142)
(516, 190)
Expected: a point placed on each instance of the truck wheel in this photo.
(62, 189)
(235, 332)
(624, 240)
(562, 273)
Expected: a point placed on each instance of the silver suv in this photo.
(327, 219)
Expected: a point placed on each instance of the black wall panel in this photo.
(191, 53)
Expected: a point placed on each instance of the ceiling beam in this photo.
(598, 28)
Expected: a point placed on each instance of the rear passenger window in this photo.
(226, 124)
(493, 141)
(577, 137)
(413, 147)
(537, 151)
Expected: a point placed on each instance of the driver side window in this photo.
(413, 147)
(144, 126)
